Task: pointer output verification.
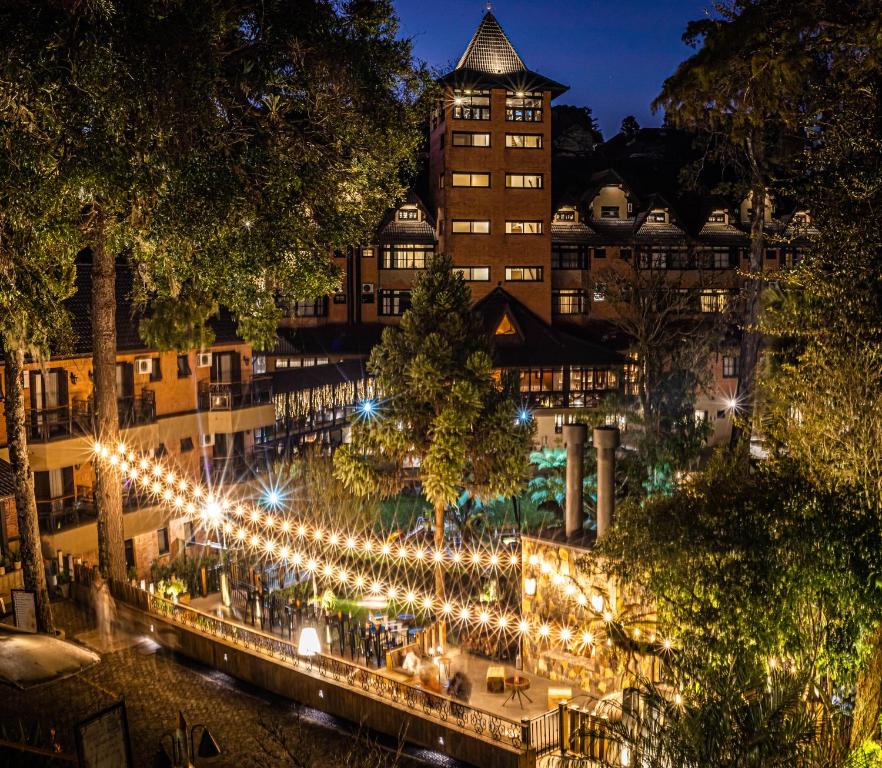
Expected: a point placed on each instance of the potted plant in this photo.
(64, 584)
(173, 589)
(16, 560)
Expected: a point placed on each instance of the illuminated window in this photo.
(524, 180)
(717, 217)
(406, 256)
(505, 327)
(660, 217)
(311, 308)
(609, 211)
(470, 227)
(523, 140)
(730, 366)
(523, 107)
(408, 214)
(474, 274)
(565, 216)
(523, 227)
(714, 300)
(471, 105)
(568, 302)
(463, 179)
(523, 274)
(468, 139)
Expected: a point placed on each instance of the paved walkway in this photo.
(533, 703)
(252, 727)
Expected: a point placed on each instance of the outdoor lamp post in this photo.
(184, 752)
(309, 644)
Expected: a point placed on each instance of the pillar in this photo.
(606, 440)
(574, 436)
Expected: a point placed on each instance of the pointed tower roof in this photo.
(490, 60)
(491, 51)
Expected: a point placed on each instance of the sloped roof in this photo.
(331, 339)
(491, 60)
(490, 50)
(570, 232)
(392, 230)
(7, 482)
(535, 342)
(297, 379)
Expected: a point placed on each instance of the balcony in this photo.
(133, 411)
(47, 424)
(66, 511)
(229, 396)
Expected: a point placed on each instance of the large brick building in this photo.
(538, 217)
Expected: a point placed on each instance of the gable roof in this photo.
(535, 343)
(491, 60)
(392, 230)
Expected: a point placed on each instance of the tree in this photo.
(281, 137)
(743, 90)
(630, 126)
(548, 486)
(37, 246)
(442, 407)
(656, 308)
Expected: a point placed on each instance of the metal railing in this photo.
(47, 424)
(133, 411)
(519, 734)
(67, 510)
(227, 396)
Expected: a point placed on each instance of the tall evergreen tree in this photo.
(442, 407)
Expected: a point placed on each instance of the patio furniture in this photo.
(495, 679)
(517, 684)
(559, 696)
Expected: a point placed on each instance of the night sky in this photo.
(614, 54)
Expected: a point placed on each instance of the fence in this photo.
(519, 734)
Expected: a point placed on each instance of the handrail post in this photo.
(561, 720)
(525, 732)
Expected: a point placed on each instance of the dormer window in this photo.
(717, 217)
(657, 216)
(801, 219)
(609, 211)
(565, 215)
(408, 214)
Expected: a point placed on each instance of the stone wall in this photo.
(609, 663)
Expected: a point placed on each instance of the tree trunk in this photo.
(868, 694)
(739, 442)
(108, 491)
(440, 508)
(25, 501)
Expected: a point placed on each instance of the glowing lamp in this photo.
(272, 498)
(309, 644)
(530, 587)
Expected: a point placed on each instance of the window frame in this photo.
(523, 177)
(524, 224)
(471, 223)
(471, 175)
(578, 295)
(393, 296)
(538, 277)
(184, 371)
(471, 135)
(569, 256)
(392, 256)
(470, 278)
(511, 136)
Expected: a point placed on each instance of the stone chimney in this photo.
(606, 440)
(574, 437)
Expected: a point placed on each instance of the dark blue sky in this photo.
(614, 54)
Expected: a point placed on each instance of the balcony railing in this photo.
(67, 510)
(227, 396)
(51, 423)
(133, 410)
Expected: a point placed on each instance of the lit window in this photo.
(470, 227)
(467, 139)
(717, 217)
(523, 140)
(394, 303)
(658, 217)
(523, 107)
(565, 215)
(700, 417)
(523, 274)
(714, 300)
(406, 256)
(524, 180)
(568, 302)
(258, 365)
(474, 274)
(609, 211)
(461, 179)
(523, 227)
(367, 253)
(408, 214)
(471, 105)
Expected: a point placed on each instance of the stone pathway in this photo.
(156, 684)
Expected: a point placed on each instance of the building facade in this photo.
(208, 410)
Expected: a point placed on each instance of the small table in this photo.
(517, 684)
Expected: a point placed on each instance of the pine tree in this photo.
(442, 408)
